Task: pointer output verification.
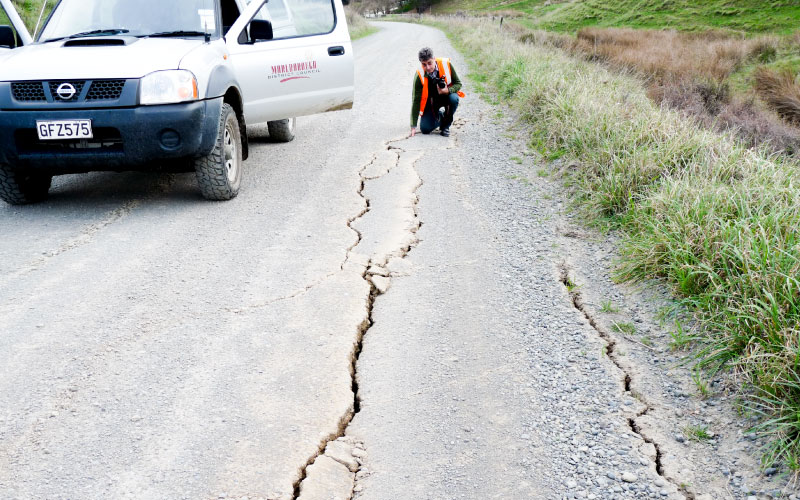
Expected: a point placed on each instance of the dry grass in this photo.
(781, 92)
(689, 72)
(713, 106)
(659, 55)
(673, 55)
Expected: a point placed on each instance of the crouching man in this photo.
(436, 86)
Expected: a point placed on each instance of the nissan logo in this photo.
(66, 91)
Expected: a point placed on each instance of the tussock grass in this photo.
(781, 91)
(717, 221)
(670, 54)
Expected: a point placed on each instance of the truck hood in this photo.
(50, 61)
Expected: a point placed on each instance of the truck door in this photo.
(292, 58)
(18, 33)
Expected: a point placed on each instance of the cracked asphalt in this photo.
(373, 317)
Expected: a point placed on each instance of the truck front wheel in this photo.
(282, 130)
(219, 174)
(18, 187)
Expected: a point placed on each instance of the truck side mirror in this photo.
(260, 30)
(7, 37)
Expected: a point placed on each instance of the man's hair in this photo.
(425, 53)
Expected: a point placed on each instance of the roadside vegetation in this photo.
(730, 64)
(727, 82)
(715, 219)
(358, 26)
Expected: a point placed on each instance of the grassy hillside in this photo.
(752, 16)
(705, 58)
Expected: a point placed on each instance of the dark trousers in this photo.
(433, 118)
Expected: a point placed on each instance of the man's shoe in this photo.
(445, 132)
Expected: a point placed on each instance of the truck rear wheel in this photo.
(219, 174)
(19, 187)
(282, 130)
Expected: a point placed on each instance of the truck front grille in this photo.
(102, 90)
(47, 91)
(28, 91)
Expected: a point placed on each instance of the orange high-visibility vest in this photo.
(444, 70)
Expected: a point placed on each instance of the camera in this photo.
(441, 83)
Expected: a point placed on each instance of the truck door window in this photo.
(292, 18)
(5, 21)
(313, 17)
(230, 12)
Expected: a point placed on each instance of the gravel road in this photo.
(373, 317)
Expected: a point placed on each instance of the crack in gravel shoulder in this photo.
(567, 279)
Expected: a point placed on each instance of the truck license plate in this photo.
(64, 129)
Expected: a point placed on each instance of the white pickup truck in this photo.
(141, 84)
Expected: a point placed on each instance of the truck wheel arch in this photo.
(233, 98)
(222, 82)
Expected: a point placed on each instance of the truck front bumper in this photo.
(137, 138)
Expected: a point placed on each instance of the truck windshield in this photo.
(132, 17)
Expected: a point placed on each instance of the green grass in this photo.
(625, 328)
(697, 433)
(608, 307)
(717, 222)
(680, 338)
(572, 287)
(751, 16)
(700, 382)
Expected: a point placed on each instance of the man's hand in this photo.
(413, 131)
(443, 91)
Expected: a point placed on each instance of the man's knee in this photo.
(454, 99)
(425, 129)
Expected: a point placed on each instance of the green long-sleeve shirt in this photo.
(432, 92)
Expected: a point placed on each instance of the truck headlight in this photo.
(164, 87)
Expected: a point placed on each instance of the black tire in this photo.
(19, 187)
(282, 130)
(219, 174)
